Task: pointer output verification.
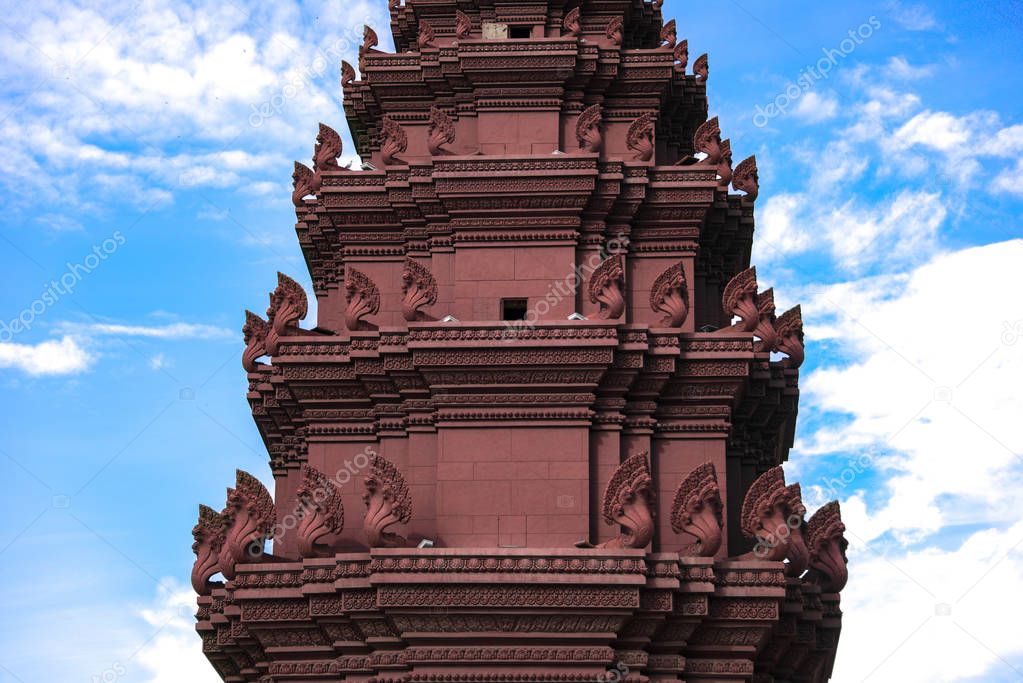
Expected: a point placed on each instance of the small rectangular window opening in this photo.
(514, 309)
(520, 31)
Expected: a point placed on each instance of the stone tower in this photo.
(535, 433)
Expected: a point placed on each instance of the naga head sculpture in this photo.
(701, 68)
(426, 35)
(393, 141)
(209, 539)
(765, 322)
(670, 295)
(606, 287)
(825, 535)
(587, 129)
(614, 30)
(327, 150)
(668, 35)
(628, 502)
(249, 520)
(789, 330)
(681, 55)
(570, 25)
(288, 305)
(707, 139)
(725, 165)
(798, 555)
(765, 516)
(363, 298)
(304, 183)
(739, 299)
(388, 502)
(320, 511)
(419, 289)
(441, 131)
(696, 510)
(463, 24)
(746, 178)
(254, 332)
(640, 137)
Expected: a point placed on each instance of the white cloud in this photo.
(52, 357)
(1009, 180)
(169, 331)
(899, 67)
(174, 654)
(940, 407)
(816, 108)
(912, 17)
(905, 614)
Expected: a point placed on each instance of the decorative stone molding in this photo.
(789, 329)
(254, 333)
(570, 26)
(288, 305)
(701, 68)
(670, 295)
(303, 180)
(587, 129)
(668, 36)
(725, 165)
(696, 510)
(825, 534)
(614, 30)
(681, 56)
(746, 179)
(320, 511)
(388, 502)
(765, 322)
(764, 516)
(739, 299)
(426, 35)
(629, 502)
(249, 520)
(209, 539)
(463, 24)
(640, 137)
(440, 132)
(363, 299)
(419, 289)
(605, 287)
(393, 141)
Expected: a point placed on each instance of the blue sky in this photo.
(146, 154)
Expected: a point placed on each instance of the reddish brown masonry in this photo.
(535, 431)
